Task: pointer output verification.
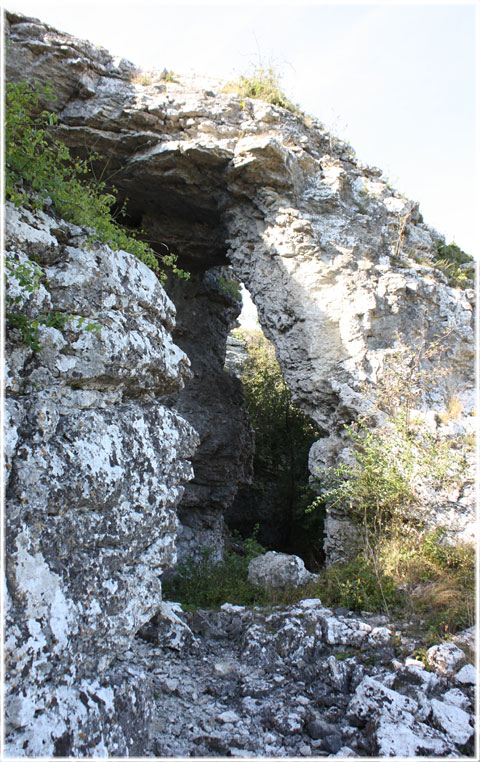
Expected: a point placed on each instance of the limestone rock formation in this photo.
(338, 264)
(98, 449)
(95, 470)
(213, 402)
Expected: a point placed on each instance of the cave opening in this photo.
(274, 507)
(251, 467)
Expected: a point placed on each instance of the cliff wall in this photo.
(95, 469)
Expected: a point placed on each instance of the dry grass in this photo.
(453, 410)
(152, 77)
(438, 578)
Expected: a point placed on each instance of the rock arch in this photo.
(337, 263)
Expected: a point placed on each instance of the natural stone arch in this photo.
(337, 263)
(97, 462)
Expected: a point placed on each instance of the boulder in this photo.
(447, 658)
(279, 570)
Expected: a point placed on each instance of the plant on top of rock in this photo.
(457, 265)
(263, 84)
(40, 171)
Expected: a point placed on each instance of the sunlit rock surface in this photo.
(298, 681)
(95, 471)
(338, 265)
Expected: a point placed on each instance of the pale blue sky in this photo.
(395, 80)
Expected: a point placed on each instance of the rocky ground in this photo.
(300, 681)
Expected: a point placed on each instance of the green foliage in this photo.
(230, 288)
(283, 437)
(357, 586)
(390, 466)
(40, 170)
(263, 84)
(393, 463)
(29, 327)
(458, 266)
(28, 277)
(206, 583)
(382, 492)
(27, 274)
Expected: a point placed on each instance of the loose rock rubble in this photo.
(296, 682)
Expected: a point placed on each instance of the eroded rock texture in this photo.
(338, 264)
(95, 470)
(213, 402)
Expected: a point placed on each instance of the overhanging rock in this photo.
(338, 264)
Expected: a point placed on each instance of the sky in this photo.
(397, 81)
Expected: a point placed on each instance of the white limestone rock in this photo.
(453, 720)
(274, 569)
(446, 658)
(96, 468)
(406, 738)
(371, 696)
(467, 675)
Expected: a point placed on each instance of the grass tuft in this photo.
(263, 84)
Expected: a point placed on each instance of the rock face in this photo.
(213, 402)
(95, 471)
(338, 264)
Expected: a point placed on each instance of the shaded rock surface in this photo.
(96, 460)
(299, 681)
(95, 470)
(213, 402)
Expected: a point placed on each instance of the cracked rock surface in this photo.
(95, 469)
(338, 263)
(297, 681)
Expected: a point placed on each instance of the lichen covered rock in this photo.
(95, 470)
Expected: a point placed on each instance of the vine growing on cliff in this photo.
(40, 171)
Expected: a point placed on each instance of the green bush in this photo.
(393, 463)
(39, 170)
(458, 266)
(263, 84)
(357, 586)
(382, 492)
(206, 583)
